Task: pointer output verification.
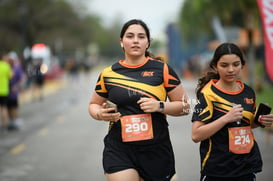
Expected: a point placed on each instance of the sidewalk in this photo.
(50, 87)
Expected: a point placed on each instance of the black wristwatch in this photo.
(161, 106)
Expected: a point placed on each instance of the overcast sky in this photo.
(156, 13)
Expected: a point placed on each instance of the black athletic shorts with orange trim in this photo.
(153, 162)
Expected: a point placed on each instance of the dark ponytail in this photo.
(223, 49)
(205, 79)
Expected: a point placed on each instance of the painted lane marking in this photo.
(43, 132)
(60, 119)
(18, 149)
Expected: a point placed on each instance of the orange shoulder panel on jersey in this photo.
(100, 86)
(168, 77)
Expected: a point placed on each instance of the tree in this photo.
(65, 25)
(26, 22)
(196, 16)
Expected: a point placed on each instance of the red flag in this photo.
(266, 12)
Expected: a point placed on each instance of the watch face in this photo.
(161, 105)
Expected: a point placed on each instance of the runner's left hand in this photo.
(148, 105)
(266, 120)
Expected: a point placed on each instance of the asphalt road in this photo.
(60, 141)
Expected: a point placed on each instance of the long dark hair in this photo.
(141, 23)
(223, 49)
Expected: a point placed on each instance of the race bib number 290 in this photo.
(136, 127)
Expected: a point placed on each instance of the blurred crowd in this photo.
(19, 75)
(13, 80)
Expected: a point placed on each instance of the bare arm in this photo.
(178, 102)
(176, 106)
(97, 109)
(202, 131)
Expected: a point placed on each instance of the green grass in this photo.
(264, 90)
(265, 95)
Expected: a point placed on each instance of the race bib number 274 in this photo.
(241, 140)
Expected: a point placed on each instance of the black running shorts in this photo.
(3, 100)
(153, 162)
(248, 177)
(13, 103)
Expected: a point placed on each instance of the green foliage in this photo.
(195, 16)
(263, 87)
(26, 22)
(265, 96)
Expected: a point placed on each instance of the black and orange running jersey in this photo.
(125, 85)
(216, 160)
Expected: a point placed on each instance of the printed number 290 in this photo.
(136, 127)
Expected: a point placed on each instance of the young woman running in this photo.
(138, 146)
(223, 120)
